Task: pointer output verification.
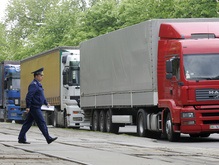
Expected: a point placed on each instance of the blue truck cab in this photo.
(10, 91)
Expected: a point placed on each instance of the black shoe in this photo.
(51, 140)
(24, 142)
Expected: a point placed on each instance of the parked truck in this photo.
(10, 91)
(161, 75)
(61, 84)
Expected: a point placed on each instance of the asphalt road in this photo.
(95, 148)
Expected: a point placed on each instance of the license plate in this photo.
(13, 114)
(77, 118)
(214, 126)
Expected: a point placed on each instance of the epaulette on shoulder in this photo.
(34, 82)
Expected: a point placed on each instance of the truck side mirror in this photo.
(5, 84)
(169, 69)
(64, 59)
(169, 66)
(65, 78)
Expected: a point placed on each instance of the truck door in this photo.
(71, 81)
(174, 77)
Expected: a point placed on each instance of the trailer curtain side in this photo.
(119, 68)
(51, 81)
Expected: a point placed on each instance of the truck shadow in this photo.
(188, 139)
(183, 139)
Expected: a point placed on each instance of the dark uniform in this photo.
(34, 100)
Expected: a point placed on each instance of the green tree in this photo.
(3, 43)
(99, 19)
(196, 8)
(136, 11)
(133, 11)
(23, 15)
(21, 20)
(57, 24)
(47, 26)
(162, 8)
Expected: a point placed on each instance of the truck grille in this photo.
(207, 94)
(208, 116)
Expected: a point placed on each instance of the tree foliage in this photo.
(3, 43)
(196, 9)
(33, 26)
(100, 18)
(55, 29)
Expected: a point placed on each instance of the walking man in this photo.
(34, 100)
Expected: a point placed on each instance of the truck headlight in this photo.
(188, 115)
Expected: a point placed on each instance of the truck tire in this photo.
(5, 115)
(110, 127)
(102, 120)
(65, 125)
(171, 135)
(54, 118)
(141, 123)
(95, 121)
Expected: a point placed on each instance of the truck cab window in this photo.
(176, 68)
(12, 83)
(75, 73)
(71, 74)
(201, 66)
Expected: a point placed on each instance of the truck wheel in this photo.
(65, 120)
(102, 121)
(95, 121)
(110, 127)
(54, 118)
(171, 136)
(141, 123)
(5, 115)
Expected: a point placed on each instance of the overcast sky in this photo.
(3, 4)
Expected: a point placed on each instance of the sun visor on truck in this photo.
(187, 30)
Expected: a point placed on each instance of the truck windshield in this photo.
(201, 66)
(16, 83)
(12, 83)
(75, 72)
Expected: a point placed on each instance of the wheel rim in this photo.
(168, 127)
(141, 126)
(101, 121)
(54, 122)
(54, 119)
(108, 121)
(95, 121)
(65, 121)
(171, 135)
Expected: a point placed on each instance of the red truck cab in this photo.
(188, 78)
